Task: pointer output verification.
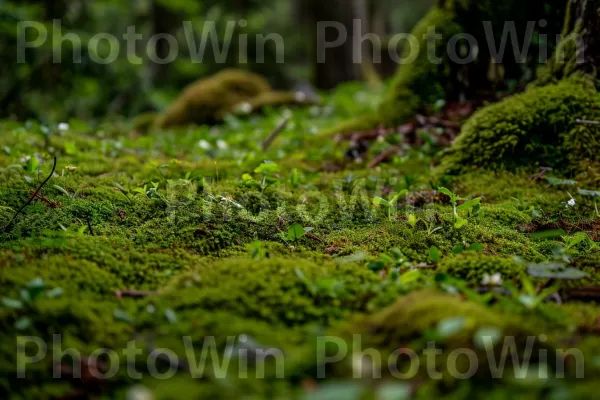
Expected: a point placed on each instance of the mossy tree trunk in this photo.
(585, 21)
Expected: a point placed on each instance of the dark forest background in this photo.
(48, 91)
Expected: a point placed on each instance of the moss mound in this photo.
(536, 128)
(209, 100)
(286, 290)
(473, 267)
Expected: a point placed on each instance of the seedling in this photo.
(473, 206)
(391, 204)
(267, 170)
(295, 232)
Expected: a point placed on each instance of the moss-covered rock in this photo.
(209, 100)
(536, 128)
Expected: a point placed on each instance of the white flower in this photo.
(204, 145)
(492, 280)
(571, 203)
(221, 144)
(63, 126)
(25, 159)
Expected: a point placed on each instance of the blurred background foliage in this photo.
(48, 91)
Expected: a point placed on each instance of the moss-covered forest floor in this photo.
(201, 233)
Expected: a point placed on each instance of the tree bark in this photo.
(338, 66)
(583, 18)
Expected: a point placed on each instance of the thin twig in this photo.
(273, 135)
(385, 155)
(46, 200)
(31, 198)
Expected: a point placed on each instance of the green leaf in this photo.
(435, 254)
(410, 277)
(295, 232)
(12, 303)
(458, 249)
(33, 163)
(460, 222)
(412, 220)
(395, 199)
(62, 190)
(376, 266)
(121, 188)
(476, 247)
(447, 193)
(267, 168)
(469, 204)
(378, 201)
(70, 148)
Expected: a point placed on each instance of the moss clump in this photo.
(535, 128)
(209, 100)
(415, 320)
(285, 290)
(473, 266)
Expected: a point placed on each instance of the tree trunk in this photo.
(584, 19)
(338, 66)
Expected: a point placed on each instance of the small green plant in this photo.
(395, 259)
(435, 254)
(391, 204)
(257, 250)
(472, 206)
(123, 191)
(430, 224)
(529, 296)
(571, 242)
(295, 232)
(267, 169)
(65, 192)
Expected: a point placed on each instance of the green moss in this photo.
(473, 267)
(284, 290)
(536, 128)
(209, 100)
